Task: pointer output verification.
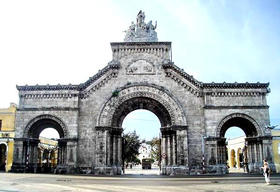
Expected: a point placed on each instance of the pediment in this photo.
(183, 79)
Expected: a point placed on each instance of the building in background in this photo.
(47, 155)
(237, 152)
(144, 151)
(7, 133)
(276, 148)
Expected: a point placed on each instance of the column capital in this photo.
(173, 128)
(114, 130)
(260, 138)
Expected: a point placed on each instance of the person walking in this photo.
(266, 171)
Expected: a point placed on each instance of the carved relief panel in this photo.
(140, 67)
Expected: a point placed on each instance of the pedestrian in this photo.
(266, 171)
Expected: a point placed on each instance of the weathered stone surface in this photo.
(141, 75)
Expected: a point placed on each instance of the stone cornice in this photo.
(100, 80)
(65, 140)
(137, 44)
(47, 87)
(260, 138)
(236, 85)
(174, 128)
(200, 88)
(112, 65)
(183, 79)
(235, 93)
(190, 78)
(49, 109)
(80, 89)
(110, 129)
(82, 86)
(48, 95)
(210, 138)
(236, 107)
(161, 50)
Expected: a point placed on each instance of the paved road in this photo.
(10, 182)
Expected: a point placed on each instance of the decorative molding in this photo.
(48, 95)
(252, 93)
(244, 116)
(47, 87)
(41, 117)
(80, 89)
(260, 138)
(139, 90)
(174, 128)
(110, 129)
(113, 65)
(86, 92)
(197, 88)
(140, 67)
(159, 49)
(236, 85)
(49, 109)
(236, 107)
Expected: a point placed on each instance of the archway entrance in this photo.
(172, 120)
(256, 147)
(40, 153)
(48, 150)
(146, 126)
(154, 107)
(235, 140)
(3, 153)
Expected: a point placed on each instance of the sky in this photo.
(66, 41)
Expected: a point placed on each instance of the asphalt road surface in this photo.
(11, 182)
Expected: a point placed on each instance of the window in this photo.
(0, 124)
(278, 148)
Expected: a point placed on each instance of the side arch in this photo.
(152, 92)
(243, 121)
(39, 123)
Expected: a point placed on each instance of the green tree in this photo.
(155, 151)
(131, 147)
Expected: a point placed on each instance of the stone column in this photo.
(261, 151)
(168, 150)
(119, 151)
(114, 149)
(33, 145)
(255, 152)
(174, 149)
(109, 149)
(163, 151)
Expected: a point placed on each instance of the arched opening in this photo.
(146, 125)
(43, 149)
(236, 129)
(148, 110)
(48, 150)
(3, 153)
(141, 103)
(155, 99)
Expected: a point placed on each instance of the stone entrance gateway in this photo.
(194, 116)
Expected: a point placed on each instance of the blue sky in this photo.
(59, 41)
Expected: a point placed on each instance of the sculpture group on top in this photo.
(141, 32)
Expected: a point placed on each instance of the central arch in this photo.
(142, 96)
(141, 103)
(149, 94)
